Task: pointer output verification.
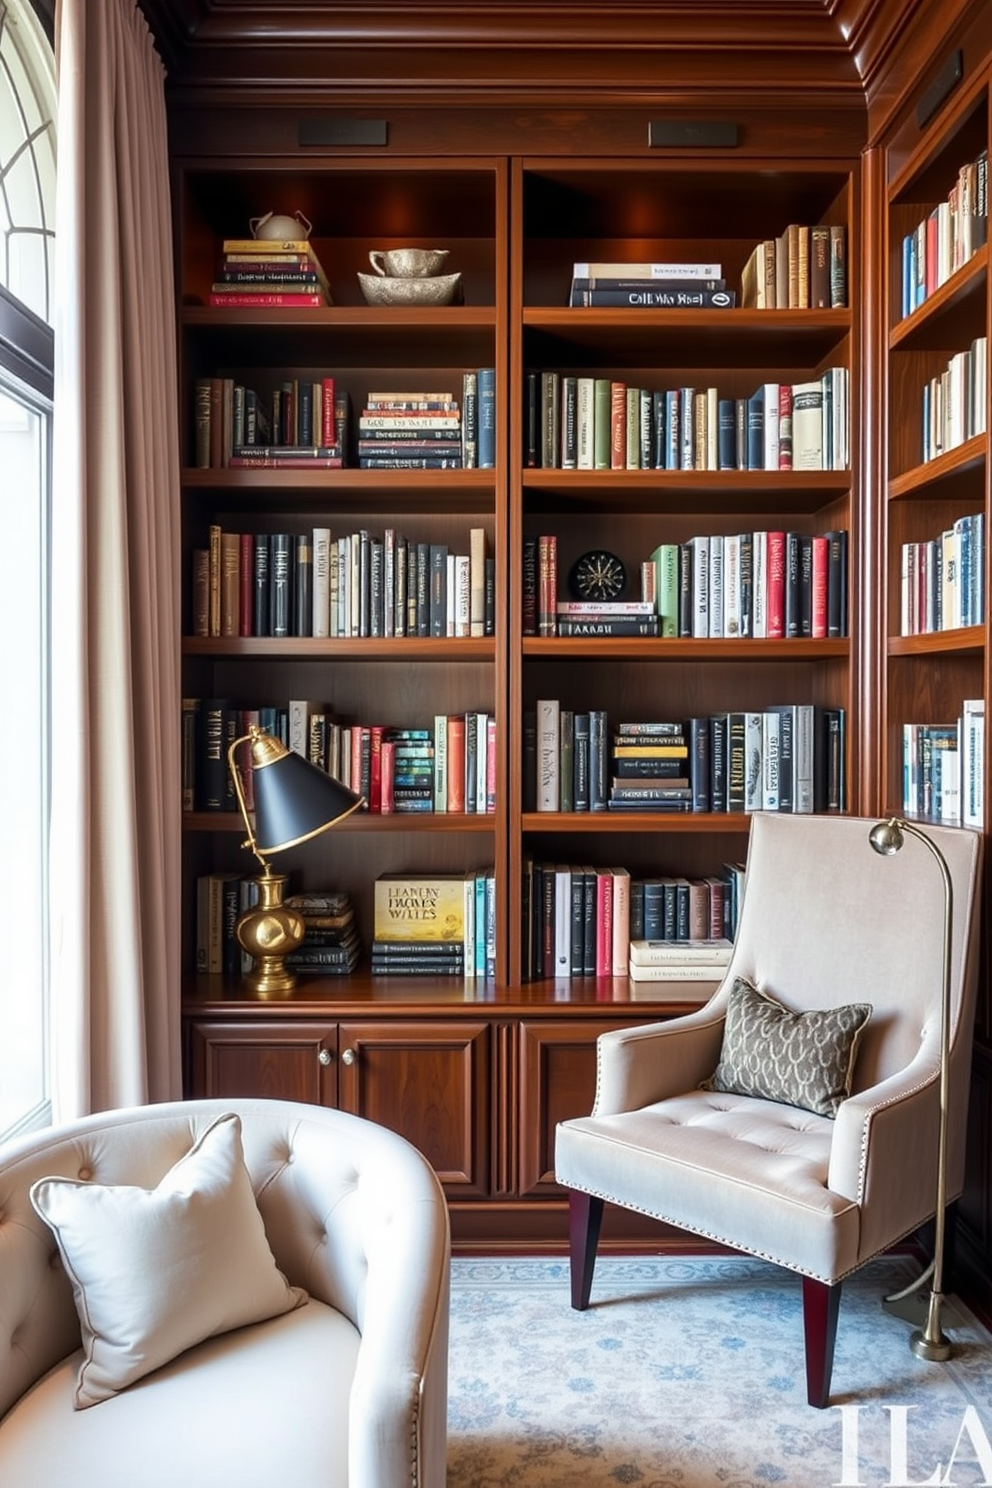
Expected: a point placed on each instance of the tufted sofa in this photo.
(348, 1391)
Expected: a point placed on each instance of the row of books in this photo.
(942, 579)
(947, 236)
(764, 585)
(447, 767)
(435, 924)
(601, 423)
(330, 946)
(270, 272)
(297, 423)
(954, 401)
(359, 584)
(430, 430)
(804, 268)
(944, 768)
(788, 758)
(580, 920)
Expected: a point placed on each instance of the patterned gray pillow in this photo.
(801, 1059)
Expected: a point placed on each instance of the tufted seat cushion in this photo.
(350, 1389)
(746, 1168)
(232, 1411)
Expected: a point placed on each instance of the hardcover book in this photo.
(408, 907)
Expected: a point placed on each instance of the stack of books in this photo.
(269, 273)
(651, 286)
(698, 966)
(331, 946)
(622, 617)
(410, 431)
(650, 768)
(419, 924)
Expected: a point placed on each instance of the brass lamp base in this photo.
(269, 932)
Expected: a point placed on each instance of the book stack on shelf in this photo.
(943, 768)
(298, 424)
(954, 402)
(358, 584)
(434, 924)
(649, 765)
(698, 966)
(425, 430)
(331, 944)
(270, 272)
(621, 617)
(944, 240)
(804, 268)
(601, 423)
(651, 286)
(943, 579)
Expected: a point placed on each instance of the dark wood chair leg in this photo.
(585, 1218)
(821, 1307)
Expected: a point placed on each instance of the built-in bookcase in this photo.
(677, 209)
(400, 682)
(937, 490)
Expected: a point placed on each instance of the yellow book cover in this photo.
(414, 907)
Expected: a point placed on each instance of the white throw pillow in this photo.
(155, 1271)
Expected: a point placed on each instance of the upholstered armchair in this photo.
(825, 923)
(347, 1388)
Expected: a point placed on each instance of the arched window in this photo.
(27, 203)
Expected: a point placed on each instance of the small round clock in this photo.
(597, 575)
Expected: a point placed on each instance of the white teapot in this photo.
(275, 225)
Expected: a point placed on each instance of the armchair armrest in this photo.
(873, 1132)
(638, 1066)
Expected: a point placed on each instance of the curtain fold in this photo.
(115, 843)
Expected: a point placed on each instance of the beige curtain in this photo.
(115, 625)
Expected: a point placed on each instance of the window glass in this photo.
(27, 214)
(27, 158)
(24, 460)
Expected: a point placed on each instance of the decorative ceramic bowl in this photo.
(442, 289)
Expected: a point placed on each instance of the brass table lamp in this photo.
(930, 1342)
(294, 801)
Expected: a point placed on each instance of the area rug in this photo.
(689, 1373)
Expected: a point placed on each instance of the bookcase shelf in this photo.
(483, 824)
(364, 648)
(931, 505)
(571, 211)
(647, 648)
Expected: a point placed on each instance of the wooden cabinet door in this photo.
(557, 1081)
(278, 1060)
(429, 1081)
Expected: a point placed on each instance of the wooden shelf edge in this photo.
(968, 280)
(353, 648)
(607, 822)
(683, 649)
(953, 464)
(966, 640)
(358, 821)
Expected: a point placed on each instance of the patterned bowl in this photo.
(441, 289)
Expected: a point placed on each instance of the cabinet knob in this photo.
(323, 1056)
(349, 1056)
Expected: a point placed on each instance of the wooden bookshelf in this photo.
(925, 678)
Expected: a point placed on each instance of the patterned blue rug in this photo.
(689, 1373)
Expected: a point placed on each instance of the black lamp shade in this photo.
(295, 800)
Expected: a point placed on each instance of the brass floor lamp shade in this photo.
(930, 1341)
(294, 801)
